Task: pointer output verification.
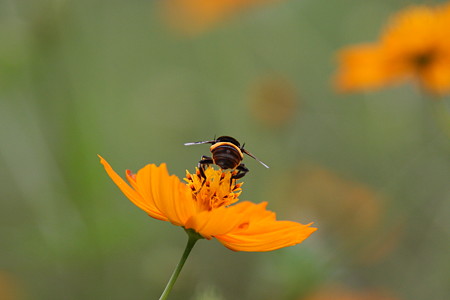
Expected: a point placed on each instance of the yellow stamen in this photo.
(216, 190)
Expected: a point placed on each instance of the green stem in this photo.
(193, 238)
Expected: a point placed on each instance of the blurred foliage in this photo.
(79, 78)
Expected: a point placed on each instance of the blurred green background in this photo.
(81, 78)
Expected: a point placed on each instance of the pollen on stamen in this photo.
(214, 190)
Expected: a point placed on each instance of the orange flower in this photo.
(205, 206)
(340, 292)
(193, 16)
(416, 45)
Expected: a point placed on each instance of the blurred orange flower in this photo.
(193, 16)
(350, 209)
(340, 292)
(204, 205)
(10, 287)
(415, 44)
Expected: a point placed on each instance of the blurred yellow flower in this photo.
(414, 45)
(204, 205)
(193, 16)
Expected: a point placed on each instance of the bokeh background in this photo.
(134, 80)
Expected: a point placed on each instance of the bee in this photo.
(227, 153)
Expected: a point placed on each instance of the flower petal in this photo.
(437, 77)
(265, 233)
(362, 67)
(167, 193)
(134, 196)
(219, 221)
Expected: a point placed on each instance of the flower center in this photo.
(216, 190)
(424, 59)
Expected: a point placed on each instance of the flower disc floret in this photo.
(216, 190)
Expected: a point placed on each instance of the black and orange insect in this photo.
(227, 153)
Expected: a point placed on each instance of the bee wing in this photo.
(254, 157)
(199, 143)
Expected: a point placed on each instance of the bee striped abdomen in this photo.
(226, 155)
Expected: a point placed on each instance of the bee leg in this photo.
(203, 164)
(242, 170)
